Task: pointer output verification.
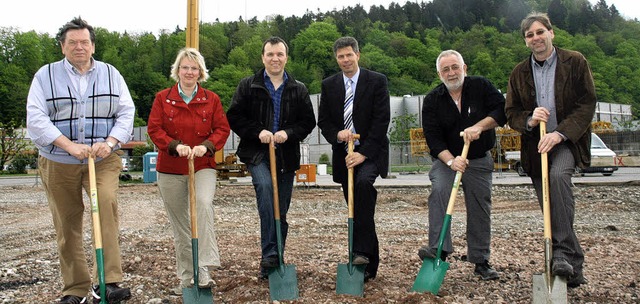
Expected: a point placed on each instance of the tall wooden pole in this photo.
(193, 25)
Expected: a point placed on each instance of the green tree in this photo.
(315, 46)
(12, 143)
(399, 132)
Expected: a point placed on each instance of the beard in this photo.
(453, 85)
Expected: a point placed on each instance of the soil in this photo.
(607, 223)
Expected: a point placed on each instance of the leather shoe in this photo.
(486, 272)
(269, 262)
(359, 259)
(71, 299)
(430, 253)
(576, 280)
(114, 293)
(561, 268)
(368, 276)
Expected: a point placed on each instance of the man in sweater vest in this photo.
(79, 107)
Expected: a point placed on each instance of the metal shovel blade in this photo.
(197, 295)
(541, 293)
(283, 283)
(350, 280)
(430, 276)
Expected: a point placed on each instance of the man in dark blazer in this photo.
(556, 86)
(369, 117)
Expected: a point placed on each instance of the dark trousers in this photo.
(561, 201)
(261, 179)
(365, 239)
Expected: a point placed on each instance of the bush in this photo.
(324, 159)
(21, 161)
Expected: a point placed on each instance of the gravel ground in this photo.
(607, 223)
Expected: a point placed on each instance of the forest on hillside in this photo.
(401, 41)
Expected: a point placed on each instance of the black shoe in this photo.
(263, 275)
(114, 293)
(561, 268)
(368, 276)
(269, 262)
(71, 299)
(576, 280)
(359, 259)
(430, 253)
(486, 272)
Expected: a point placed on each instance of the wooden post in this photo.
(193, 24)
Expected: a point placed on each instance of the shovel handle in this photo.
(97, 227)
(95, 209)
(546, 205)
(350, 177)
(456, 181)
(192, 200)
(274, 180)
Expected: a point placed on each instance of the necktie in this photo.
(348, 107)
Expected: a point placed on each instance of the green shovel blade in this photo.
(283, 283)
(430, 276)
(197, 295)
(350, 280)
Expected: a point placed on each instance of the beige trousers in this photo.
(174, 190)
(63, 184)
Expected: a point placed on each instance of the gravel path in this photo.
(607, 222)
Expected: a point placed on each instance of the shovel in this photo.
(195, 294)
(283, 282)
(547, 288)
(432, 272)
(97, 230)
(350, 278)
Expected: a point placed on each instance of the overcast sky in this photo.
(155, 15)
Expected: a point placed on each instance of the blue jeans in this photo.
(261, 179)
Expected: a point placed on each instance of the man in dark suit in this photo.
(356, 101)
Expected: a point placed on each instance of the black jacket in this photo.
(371, 116)
(251, 111)
(442, 123)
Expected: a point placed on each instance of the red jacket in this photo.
(173, 122)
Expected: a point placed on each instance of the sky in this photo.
(136, 16)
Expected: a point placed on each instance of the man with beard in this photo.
(469, 104)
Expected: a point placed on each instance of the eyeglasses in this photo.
(447, 69)
(539, 32)
(187, 68)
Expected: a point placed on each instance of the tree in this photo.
(399, 132)
(315, 44)
(12, 143)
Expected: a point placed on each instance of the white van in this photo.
(603, 159)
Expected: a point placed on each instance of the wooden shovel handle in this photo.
(274, 180)
(546, 204)
(458, 177)
(350, 177)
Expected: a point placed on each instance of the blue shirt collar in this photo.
(184, 96)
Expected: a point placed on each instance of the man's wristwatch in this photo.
(450, 162)
(110, 144)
